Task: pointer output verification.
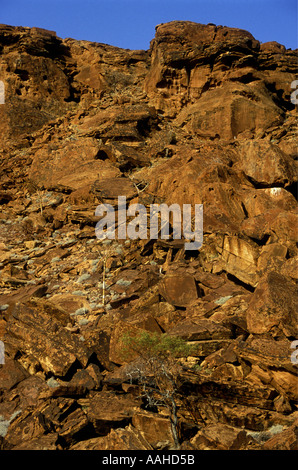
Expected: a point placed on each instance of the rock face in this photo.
(203, 117)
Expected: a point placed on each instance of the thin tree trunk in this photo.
(174, 423)
(103, 281)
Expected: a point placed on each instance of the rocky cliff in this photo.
(203, 117)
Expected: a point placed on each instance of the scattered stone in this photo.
(203, 117)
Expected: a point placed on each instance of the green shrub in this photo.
(158, 372)
(155, 345)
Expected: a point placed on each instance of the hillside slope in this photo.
(203, 117)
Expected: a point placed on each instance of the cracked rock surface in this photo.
(203, 117)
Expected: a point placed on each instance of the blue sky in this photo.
(131, 23)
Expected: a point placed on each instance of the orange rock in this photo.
(273, 307)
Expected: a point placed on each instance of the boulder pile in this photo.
(203, 117)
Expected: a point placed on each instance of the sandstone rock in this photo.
(70, 303)
(290, 268)
(204, 348)
(118, 352)
(48, 442)
(266, 165)
(179, 291)
(36, 427)
(108, 410)
(119, 439)
(129, 124)
(75, 423)
(274, 226)
(159, 317)
(11, 374)
(125, 157)
(39, 87)
(173, 72)
(27, 427)
(220, 437)
(273, 306)
(267, 201)
(267, 351)
(31, 391)
(272, 257)
(286, 440)
(80, 158)
(111, 188)
(286, 383)
(272, 46)
(155, 429)
(204, 117)
(231, 311)
(240, 259)
(230, 112)
(145, 321)
(23, 294)
(177, 78)
(200, 329)
(51, 344)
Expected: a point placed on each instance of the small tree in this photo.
(158, 370)
(105, 252)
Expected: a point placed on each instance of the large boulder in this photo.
(72, 165)
(273, 307)
(38, 330)
(266, 165)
